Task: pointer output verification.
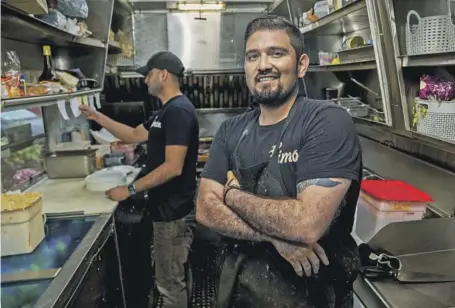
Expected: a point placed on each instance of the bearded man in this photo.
(289, 207)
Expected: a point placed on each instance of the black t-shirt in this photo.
(323, 138)
(175, 124)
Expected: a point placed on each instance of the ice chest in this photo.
(382, 202)
(22, 223)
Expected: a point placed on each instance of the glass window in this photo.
(22, 144)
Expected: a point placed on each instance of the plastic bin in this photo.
(382, 202)
(22, 223)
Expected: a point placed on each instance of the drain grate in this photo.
(203, 263)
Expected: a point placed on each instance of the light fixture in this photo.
(219, 6)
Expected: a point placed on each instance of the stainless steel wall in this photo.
(150, 35)
(215, 43)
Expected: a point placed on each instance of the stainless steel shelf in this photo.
(441, 59)
(44, 100)
(132, 74)
(190, 72)
(354, 66)
(369, 121)
(349, 9)
(450, 144)
(26, 28)
(114, 48)
(16, 146)
(124, 6)
(220, 110)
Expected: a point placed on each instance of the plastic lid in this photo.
(394, 190)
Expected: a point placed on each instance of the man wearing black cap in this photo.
(172, 138)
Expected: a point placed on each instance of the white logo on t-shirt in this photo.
(156, 124)
(285, 157)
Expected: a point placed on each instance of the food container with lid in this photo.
(22, 223)
(382, 202)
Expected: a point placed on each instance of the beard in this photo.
(154, 89)
(274, 98)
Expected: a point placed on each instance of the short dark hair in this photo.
(274, 22)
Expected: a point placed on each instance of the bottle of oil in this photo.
(48, 70)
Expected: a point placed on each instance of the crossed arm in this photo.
(332, 155)
(249, 217)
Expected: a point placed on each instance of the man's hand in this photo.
(231, 182)
(118, 193)
(303, 258)
(89, 112)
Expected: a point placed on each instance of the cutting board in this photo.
(70, 195)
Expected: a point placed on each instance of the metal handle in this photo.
(374, 272)
(450, 11)
(412, 12)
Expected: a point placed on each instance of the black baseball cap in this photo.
(163, 60)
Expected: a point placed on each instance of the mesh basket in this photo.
(433, 34)
(437, 120)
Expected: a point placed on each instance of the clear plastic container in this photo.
(372, 214)
(326, 58)
(382, 202)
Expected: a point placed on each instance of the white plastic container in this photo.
(22, 223)
(374, 214)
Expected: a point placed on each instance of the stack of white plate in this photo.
(105, 179)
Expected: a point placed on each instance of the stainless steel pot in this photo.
(70, 164)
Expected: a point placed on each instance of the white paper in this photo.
(91, 101)
(61, 103)
(97, 100)
(74, 103)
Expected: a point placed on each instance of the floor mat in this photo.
(203, 263)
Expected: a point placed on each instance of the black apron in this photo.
(254, 274)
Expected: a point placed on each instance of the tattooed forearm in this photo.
(302, 220)
(328, 183)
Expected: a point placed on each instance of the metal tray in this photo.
(360, 54)
(70, 164)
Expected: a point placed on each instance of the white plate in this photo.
(105, 179)
(123, 168)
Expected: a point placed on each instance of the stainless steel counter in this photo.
(57, 273)
(413, 240)
(423, 246)
(390, 163)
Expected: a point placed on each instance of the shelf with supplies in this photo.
(438, 59)
(335, 16)
(20, 26)
(46, 100)
(352, 66)
(114, 47)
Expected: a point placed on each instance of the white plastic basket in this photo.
(438, 120)
(433, 34)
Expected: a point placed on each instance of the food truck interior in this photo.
(390, 64)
